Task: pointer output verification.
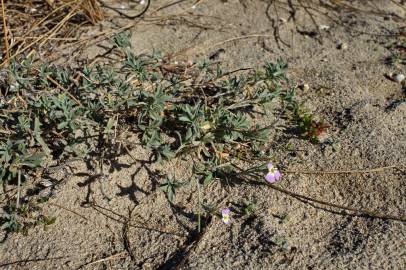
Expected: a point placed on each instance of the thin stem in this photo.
(5, 32)
(18, 189)
(368, 213)
(379, 169)
(199, 199)
(63, 89)
(67, 209)
(364, 212)
(115, 256)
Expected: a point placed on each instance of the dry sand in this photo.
(347, 88)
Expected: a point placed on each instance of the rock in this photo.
(342, 46)
(398, 77)
(46, 183)
(324, 27)
(304, 86)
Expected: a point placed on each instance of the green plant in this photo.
(53, 112)
(170, 187)
(397, 53)
(249, 208)
(309, 126)
(27, 216)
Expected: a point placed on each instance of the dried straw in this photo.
(35, 27)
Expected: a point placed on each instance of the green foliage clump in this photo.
(52, 112)
(309, 127)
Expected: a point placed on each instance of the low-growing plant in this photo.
(51, 112)
(397, 51)
(170, 186)
(24, 217)
(308, 126)
(249, 208)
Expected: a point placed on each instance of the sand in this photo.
(341, 55)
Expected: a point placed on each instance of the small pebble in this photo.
(282, 20)
(46, 193)
(342, 46)
(398, 77)
(324, 27)
(46, 183)
(304, 86)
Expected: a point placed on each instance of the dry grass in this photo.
(35, 26)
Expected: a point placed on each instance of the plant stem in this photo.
(5, 30)
(18, 189)
(199, 216)
(364, 212)
(379, 169)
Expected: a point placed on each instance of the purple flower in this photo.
(273, 174)
(225, 216)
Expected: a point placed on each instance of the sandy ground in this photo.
(347, 88)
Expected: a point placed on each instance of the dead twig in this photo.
(63, 89)
(5, 32)
(379, 169)
(67, 209)
(126, 240)
(115, 256)
(363, 212)
(122, 219)
(194, 245)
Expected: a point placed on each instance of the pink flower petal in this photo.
(270, 177)
(277, 175)
(225, 211)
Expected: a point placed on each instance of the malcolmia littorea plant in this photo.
(226, 216)
(55, 113)
(273, 174)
